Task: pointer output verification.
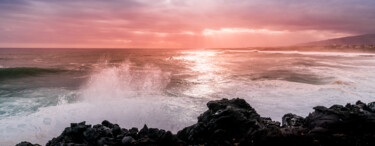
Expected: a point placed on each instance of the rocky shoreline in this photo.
(235, 122)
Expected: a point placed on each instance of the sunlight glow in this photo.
(204, 63)
(208, 32)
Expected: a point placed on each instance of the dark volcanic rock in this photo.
(227, 122)
(235, 122)
(292, 120)
(350, 119)
(127, 140)
(111, 134)
(24, 143)
(371, 106)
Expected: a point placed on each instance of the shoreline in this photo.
(235, 122)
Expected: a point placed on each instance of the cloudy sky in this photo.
(180, 23)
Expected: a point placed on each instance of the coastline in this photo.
(235, 122)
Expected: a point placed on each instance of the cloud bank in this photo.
(180, 23)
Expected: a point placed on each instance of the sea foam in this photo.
(128, 95)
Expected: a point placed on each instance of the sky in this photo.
(179, 23)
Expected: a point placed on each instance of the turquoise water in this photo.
(43, 90)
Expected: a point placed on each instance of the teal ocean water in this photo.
(43, 90)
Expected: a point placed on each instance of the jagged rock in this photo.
(127, 140)
(133, 132)
(293, 125)
(107, 124)
(24, 143)
(111, 134)
(292, 120)
(143, 132)
(371, 106)
(225, 121)
(354, 119)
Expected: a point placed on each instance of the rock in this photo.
(116, 130)
(24, 143)
(143, 132)
(224, 120)
(107, 141)
(292, 120)
(107, 124)
(127, 140)
(133, 132)
(371, 106)
(145, 141)
(341, 119)
(269, 122)
(92, 134)
(360, 104)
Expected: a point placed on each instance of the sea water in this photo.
(42, 91)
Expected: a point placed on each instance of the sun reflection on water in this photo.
(206, 65)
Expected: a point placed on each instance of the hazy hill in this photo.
(360, 43)
(367, 39)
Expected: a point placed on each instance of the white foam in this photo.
(122, 95)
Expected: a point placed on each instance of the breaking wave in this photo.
(126, 94)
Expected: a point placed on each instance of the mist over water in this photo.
(42, 91)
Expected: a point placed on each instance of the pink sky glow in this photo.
(179, 23)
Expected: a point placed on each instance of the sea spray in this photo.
(128, 95)
(125, 81)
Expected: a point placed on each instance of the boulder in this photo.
(225, 122)
(371, 106)
(353, 119)
(292, 121)
(112, 134)
(127, 140)
(24, 143)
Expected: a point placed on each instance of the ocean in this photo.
(42, 91)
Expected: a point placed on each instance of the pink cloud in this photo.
(181, 24)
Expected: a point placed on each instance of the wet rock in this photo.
(269, 122)
(292, 120)
(116, 130)
(133, 132)
(224, 121)
(107, 124)
(127, 140)
(143, 132)
(24, 143)
(352, 119)
(107, 141)
(371, 106)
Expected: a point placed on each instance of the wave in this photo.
(297, 76)
(18, 72)
(127, 94)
